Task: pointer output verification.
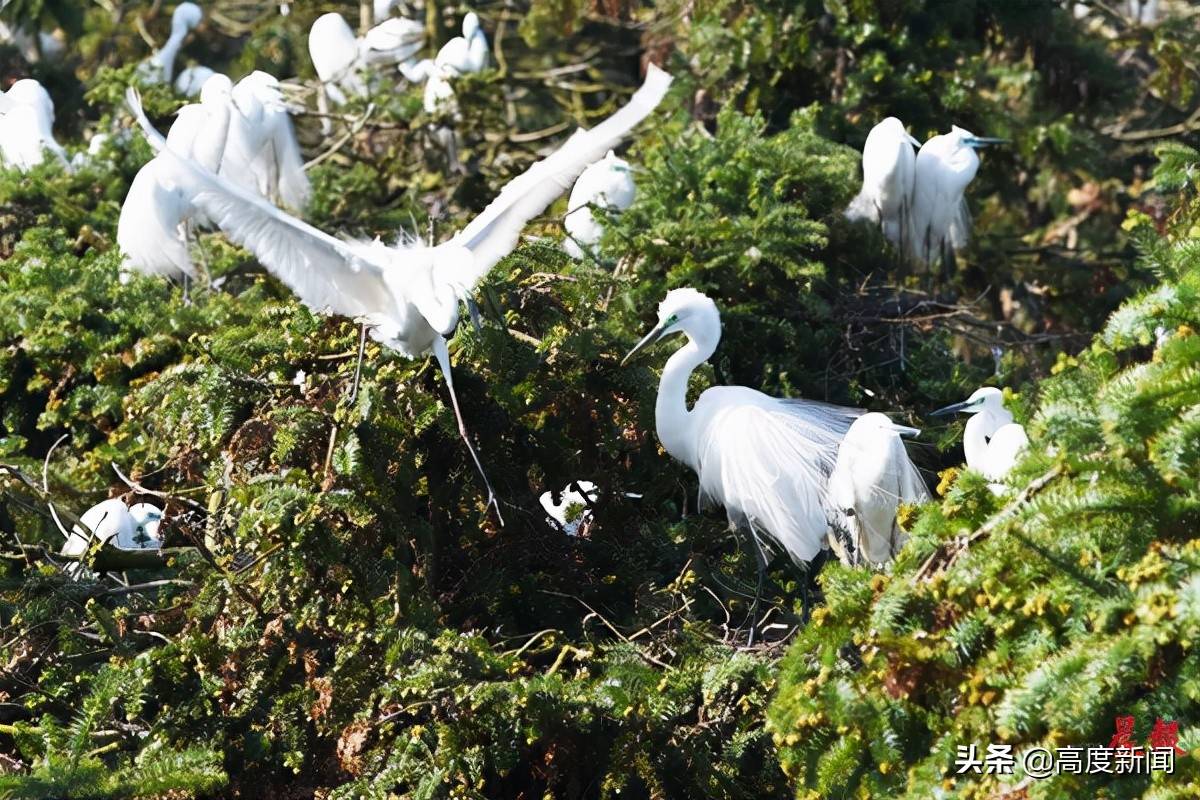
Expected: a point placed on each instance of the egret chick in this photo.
(160, 67)
(577, 497)
(889, 167)
(147, 519)
(872, 478)
(409, 294)
(459, 56)
(343, 61)
(191, 80)
(992, 441)
(945, 166)
(766, 459)
(607, 184)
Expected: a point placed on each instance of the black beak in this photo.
(983, 141)
(647, 340)
(950, 409)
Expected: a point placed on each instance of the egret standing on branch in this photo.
(407, 294)
(873, 477)
(992, 441)
(945, 166)
(767, 460)
(889, 165)
(607, 184)
(340, 58)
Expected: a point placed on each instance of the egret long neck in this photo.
(672, 419)
(165, 57)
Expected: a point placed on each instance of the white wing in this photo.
(294, 186)
(494, 233)
(1005, 449)
(769, 464)
(326, 273)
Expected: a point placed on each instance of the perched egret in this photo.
(992, 441)
(343, 60)
(607, 184)
(872, 478)
(439, 95)
(27, 126)
(408, 294)
(160, 67)
(262, 153)
(459, 56)
(190, 81)
(945, 166)
(102, 522)
(767, 460)
(152, 231)
(576, 497)
(889, 165)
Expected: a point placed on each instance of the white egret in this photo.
(459, 56)
(872, 478)
(571, 512)
(889, 165)
(152, 231)
(343, 60)
(27, 126)
(408, 294)
(992, 441)
(766, 459)
(945, 165)
(607, 184)
(383, 9)
(34, 47)
(160, 67)
(261, 152)
(190, 81)
(102, 522)
(439, 95)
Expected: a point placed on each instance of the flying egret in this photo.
(190, 81)
(992, 441)
(342, 59)
(607, 184)
(27, 126)
(767, 460)
(152, 231)
(889, 165)
(408, 294)
(160, 67)
(261, 152)
(872, 478)
(575, 497)
(945, 165)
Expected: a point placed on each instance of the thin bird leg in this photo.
(761, 561)
(193, 235)
(442, 353)
(362, 348)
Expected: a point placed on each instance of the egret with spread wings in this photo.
(408, 294)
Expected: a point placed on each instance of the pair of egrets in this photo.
(918, 199)
(786, 469)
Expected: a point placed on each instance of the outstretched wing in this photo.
(494, 233)
(769, 465)
(326, 273)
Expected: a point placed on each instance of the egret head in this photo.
(148, 518)
(216, 89)
(876, 424)
(987, 398)
(964, 138)
(470, 25)
(683, 311)
(186, 17)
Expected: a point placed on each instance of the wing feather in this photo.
(326, 273)
(494, 233)
(769, 465)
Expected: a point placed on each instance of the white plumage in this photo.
(27, 126)
(190, 81)
(459, 56)
(160, 67)
(147, 520)
(767, 460)
(262, 153)
(607, 184)
(945, 166)
(992, 441)
(408, 294)
(111, 522)
(889, 168)
(343, 61)
(872, 478)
